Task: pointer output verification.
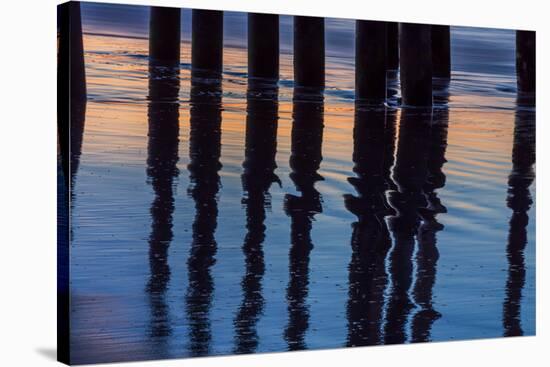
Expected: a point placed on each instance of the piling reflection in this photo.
(390, 134)
(412, 262)
(78, 117)
(391, 257)
(427, 253)
(162, 171)
(204, 152)
(258, 176)
(519, 200)
(305, 159)
(370, 240)
(409, 174)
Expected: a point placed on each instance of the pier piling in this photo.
(207, 42)
(415, 61)
(164, 35)
(392, 45)
(71, 68)
(525, 61)
(370, 61)
(71, 86)
(441, 51)
(309, 52)
(263, 46)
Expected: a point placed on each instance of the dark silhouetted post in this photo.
(441, 51)
(78, 72)
(370, 61)
(415, 60)
(263, 46)
(71, 52)
(207, 43)
(164, 35)
(71, 79)
(525, 61)
(392, 46)
(309, 52)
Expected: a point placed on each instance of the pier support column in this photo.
(164, 36)
(525, 61)
(441, 51)
(71, 70)
(370, 61)
(415, 61)
(207, 42)
(309, 52)
(71, 82)
(392, 45)
(263, 46)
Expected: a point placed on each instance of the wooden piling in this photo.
(71, 85)
(525, 61)
(392, 62)
(415, 60)
(207, 42)
(263, 46)
(309, 52)
(370, 61)
(441, 51)
(164, 35)
(71, 70)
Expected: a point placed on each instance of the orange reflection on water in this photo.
(116, 123)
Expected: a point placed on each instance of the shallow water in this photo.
(211, 219)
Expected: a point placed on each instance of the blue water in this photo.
(264, 232)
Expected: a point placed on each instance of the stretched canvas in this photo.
(233, 183)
